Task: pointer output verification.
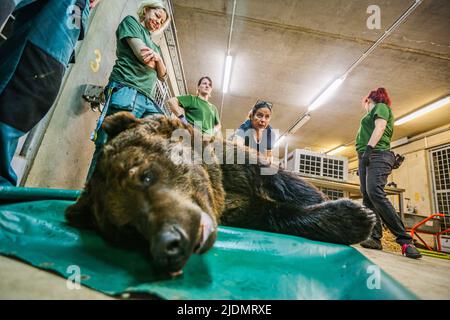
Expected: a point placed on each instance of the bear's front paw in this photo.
(352, 219)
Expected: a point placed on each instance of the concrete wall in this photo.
(415, 173)
(66, 150)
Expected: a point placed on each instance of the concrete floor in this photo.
(19, 280)
(428, 278)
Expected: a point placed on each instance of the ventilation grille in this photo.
(318, 165)
(333, 194)
(440, 160)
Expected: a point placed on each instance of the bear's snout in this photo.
(170, 249)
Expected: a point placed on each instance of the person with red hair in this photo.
(376, 162)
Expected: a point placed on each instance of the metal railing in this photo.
(174, 50)
(162, 93)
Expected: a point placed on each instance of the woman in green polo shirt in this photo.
(375, 165)
(139, 65)
(197, 110)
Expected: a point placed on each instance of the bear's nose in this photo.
(173, 242)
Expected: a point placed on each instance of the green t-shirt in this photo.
(128, 70)
(199, 110)
(368, 125)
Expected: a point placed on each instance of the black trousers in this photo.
(373, 179)
(26, 99)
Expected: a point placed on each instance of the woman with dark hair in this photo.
(375, 165)
(256, 132)
(197, 110)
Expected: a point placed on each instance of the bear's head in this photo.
(144, 181)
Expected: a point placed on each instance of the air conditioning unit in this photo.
(316, 164)
(445, 244)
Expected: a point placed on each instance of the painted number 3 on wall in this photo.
(95, 65)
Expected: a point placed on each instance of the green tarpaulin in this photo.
(243, 264)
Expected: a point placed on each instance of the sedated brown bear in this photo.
(148, 187)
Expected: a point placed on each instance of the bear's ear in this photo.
(165, 126)
(118, 122)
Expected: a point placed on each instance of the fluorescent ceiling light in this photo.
(336, 150)
(422, 111)
(301, 122)
(280, 140)
(326, 93)
(226, 76)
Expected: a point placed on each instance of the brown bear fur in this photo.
(142, 191)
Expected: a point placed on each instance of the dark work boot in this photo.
(371, 243)
(410, 251)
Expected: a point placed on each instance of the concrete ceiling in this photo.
(288, 51)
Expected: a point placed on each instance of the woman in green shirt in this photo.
(139, 65)
(375, 165)
(197, 110)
